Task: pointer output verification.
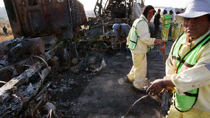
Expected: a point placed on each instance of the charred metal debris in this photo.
(49, 40)
(29, 67)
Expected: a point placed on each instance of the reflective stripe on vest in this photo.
(185, 102)
(167, 18)
(132, 36)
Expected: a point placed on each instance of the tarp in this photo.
(136, 10)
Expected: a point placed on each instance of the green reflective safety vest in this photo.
(175, 24)
(133, 36)
(185, 102)
(167, 18)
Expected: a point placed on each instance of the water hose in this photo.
(134, 104)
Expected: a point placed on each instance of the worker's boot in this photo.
(128, 57)
(130, 78)
(142, 84)
(164, 39)
(119, 54)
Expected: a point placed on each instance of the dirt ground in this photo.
(5, 38)
(105, 94)
(87, 94)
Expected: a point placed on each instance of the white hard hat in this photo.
(196, 8)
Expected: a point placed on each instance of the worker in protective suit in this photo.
(166, 23)
(176, 29)
(138, 41)
(188, 65)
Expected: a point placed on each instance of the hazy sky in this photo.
(90, 4)
(1, 3)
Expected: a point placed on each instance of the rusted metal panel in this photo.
(48, 13)
(35, 18)
(61, 15)
(13, 17)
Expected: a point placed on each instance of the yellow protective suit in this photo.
(138, 71)
(193, 113)
(165, 30)
(175, 31)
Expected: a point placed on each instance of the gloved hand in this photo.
(159, 41)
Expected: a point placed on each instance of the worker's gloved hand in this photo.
(152, 46)
(159, 41)
(123, 41)
(155, 87)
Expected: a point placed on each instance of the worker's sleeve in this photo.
(195, 77)
(117, 37)
(143, 33)
(162, 19)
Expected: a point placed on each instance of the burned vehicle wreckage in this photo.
(117, 11)
(49, 40)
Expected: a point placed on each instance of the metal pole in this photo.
(126, 10)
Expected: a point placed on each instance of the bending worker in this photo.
(138, 42)
(122, 31)
(188, 65)
(166, 23)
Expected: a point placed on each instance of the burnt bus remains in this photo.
(43, 31)
(118, 11)
(37, 18)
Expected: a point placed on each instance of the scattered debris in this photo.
(48, 42)
(25, 78)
